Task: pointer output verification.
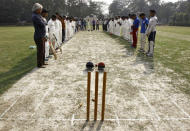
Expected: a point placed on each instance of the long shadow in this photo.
(7, 79)
(99, 126)
(84, 126)
(140, 58)
(147, 62)
(92, 126)
(129, 50)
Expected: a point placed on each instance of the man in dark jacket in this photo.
(40, 33)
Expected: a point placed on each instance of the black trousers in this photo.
(94, 27)
(97, 27)
(63, 35)
(152, 36)
(40, 52)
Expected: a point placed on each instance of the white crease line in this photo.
(72, 120)
(180, 108)
(15, 101)
(60, 119)
(117, 120)
(175, 119)
(39, 104)
(146, 100)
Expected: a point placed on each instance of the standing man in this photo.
(58, 33)
(135, 29)
(111, 26)
(97, 24)
(123, 29)
(63, 28)
(62, 19)
(130, 20)
(151, 32)
(144, 26)
(45, 15)
(94, 24)
(88, 25)
(40, 33)
(127, 29)
(84, 24)
(52, 30)
(106, 25)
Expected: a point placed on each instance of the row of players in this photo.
(128, 27)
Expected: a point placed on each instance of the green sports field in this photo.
(16, 59)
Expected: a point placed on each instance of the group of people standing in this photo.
(128, 27)
(50, 35)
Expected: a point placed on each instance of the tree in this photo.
(13, 11)
(168, 13)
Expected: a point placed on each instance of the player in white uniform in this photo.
(130, 29)
(127, 29)
(44, 16)
(118, 27)
(67, 28)
(58, 33)
(123, 27)
(52, 30)
(111, 26)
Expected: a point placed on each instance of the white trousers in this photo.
(143, 41)
(118, 31)
(151, 47)
(131, 38)
(46, 49)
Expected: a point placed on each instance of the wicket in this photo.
(96, 95)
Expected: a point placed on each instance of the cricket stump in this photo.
(88, 96)
(104, 95)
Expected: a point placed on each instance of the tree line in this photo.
(177, 14)
(15, 11)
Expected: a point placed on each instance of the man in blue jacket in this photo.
(40, 34)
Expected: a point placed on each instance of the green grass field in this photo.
(172, 50)
(16, 58)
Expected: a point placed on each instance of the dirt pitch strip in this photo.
(54, 99)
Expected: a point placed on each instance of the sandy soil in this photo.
(139, 97)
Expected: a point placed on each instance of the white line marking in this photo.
(1, 116)
(180, 108)
(39, 104)
(130, 119)
(117, 120)
(72, 120)
(146, 100)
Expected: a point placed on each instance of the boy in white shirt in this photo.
(151, 32)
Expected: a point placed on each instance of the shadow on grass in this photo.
(7, 79)
(140, 58)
